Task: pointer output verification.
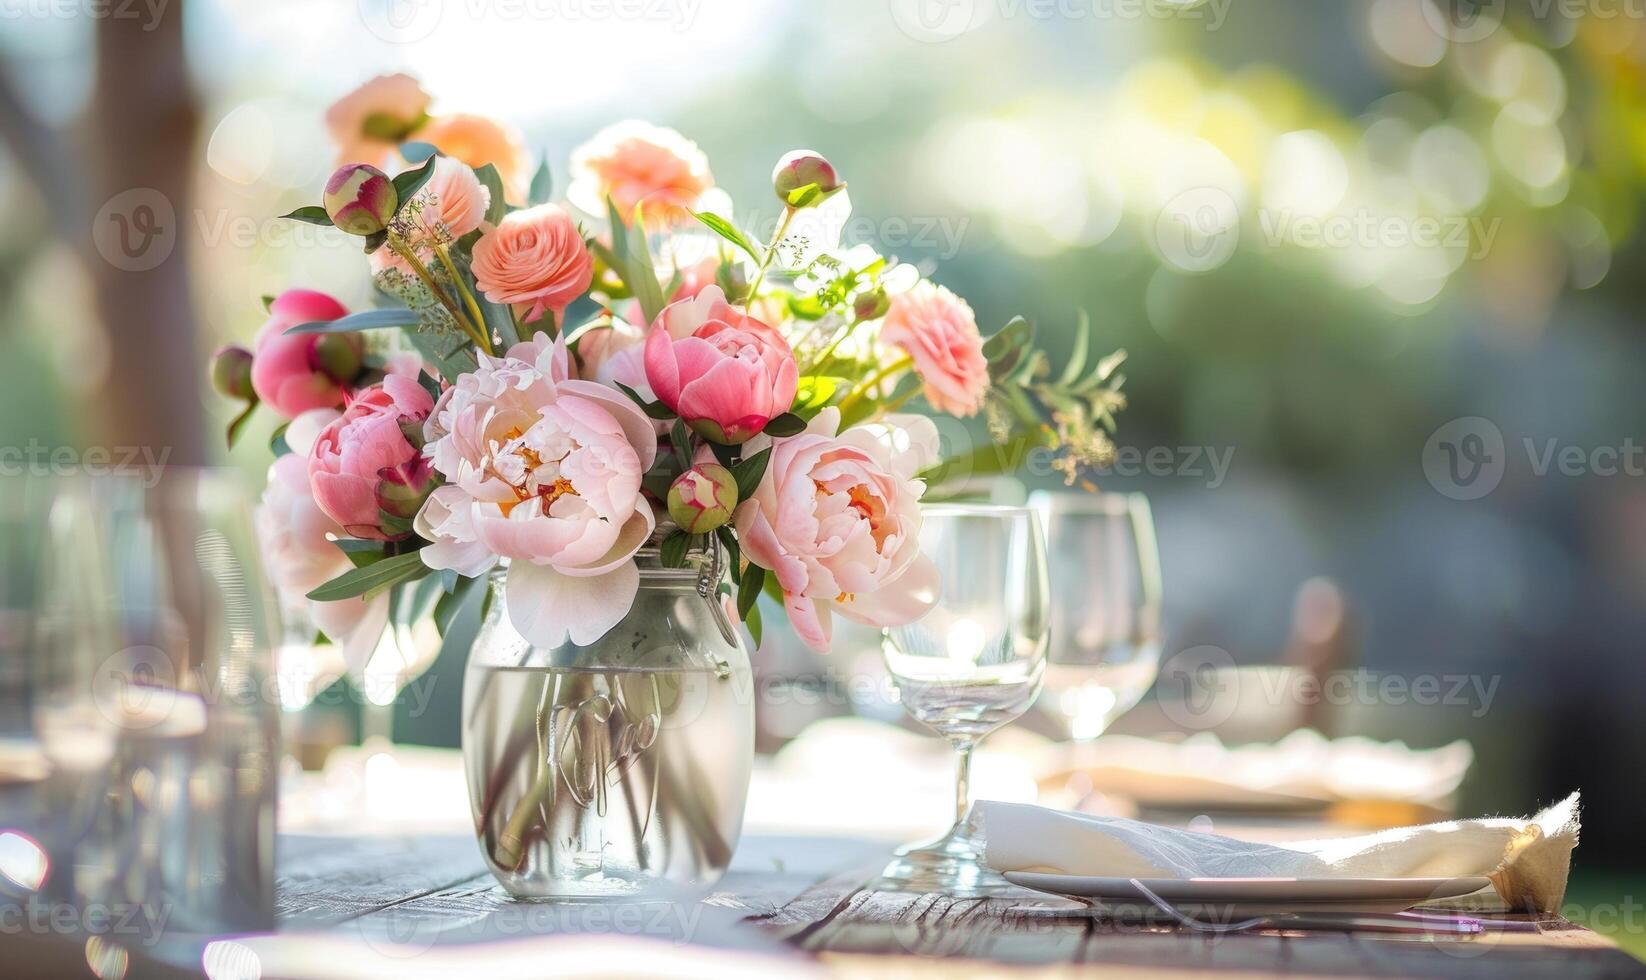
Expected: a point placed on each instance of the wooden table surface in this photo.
(421, 905)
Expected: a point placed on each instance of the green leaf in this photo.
(238, 426)
(680, 438)
(787, 424)
(725, 229)
(416, 151)
(748, 590)
(728, 540)
(634, 261)
(429, 384)
(407, 185)
(1082, 345)
(815, 392)
(493, 182)
(313, 214)
(748, 473)
(376, 240)
(466, 592)
(542, 188)
(452, 355)
(365, 320)
(756, 628)
(372, 579)
(673, 549)
(277, 440)
(1009, 339)
(805, 196)
(268, 302)
(986, 460)
(655, 410)
(361, 553)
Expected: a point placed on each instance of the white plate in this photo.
(1218, 897)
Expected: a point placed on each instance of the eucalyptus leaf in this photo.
(364, 320)
(372, 579)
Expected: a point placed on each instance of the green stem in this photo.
(404, 251)
(863, 389)
(468, 298)
(771, 251)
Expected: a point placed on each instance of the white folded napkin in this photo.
(1526, 859)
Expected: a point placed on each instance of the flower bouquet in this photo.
(547, 387)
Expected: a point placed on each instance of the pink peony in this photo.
(535, 258)
(477, 141)
(636, 163)
(545, 472)
(937, 329)
(724, 372)
(366, 474)
(295, 537)
(837, 519)
(369, 123)
(296, 372)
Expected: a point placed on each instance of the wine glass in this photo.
(971, 664)
(1105, 623)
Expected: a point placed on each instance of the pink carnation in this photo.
(937, 330)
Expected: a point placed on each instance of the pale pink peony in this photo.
(366, 474)
(724, 372)
(544, 472)
(937, 329)
(369, 124)
(614, 353)
(295, 537)
(837, 520)
(477, 141)
(534, 258)
(293, 373)
(634, 162)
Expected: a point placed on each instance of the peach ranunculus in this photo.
(450, 205)
(545, 472)
(293, 373)
(366, 474)
(634, 162)
(938, 331)
(534, 258)
(477, 141)
(837, 519)
(296, 540)
(369, 124)
(724, 372)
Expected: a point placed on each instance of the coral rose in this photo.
(724, 372)
(366, 474)
(295, 538)
(369, 124)
(837, 519)
(636, 163)
(937, 330)
(293, 373)
(534, 258)
(545, 472)
(477, 141)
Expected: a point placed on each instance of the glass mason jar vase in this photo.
(618, 769)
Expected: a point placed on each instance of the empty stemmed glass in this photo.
(1105, 622)
(969, 665)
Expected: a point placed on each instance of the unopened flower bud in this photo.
(702, 498)
(871, 305)
(231, 373)
(800, 168)
(360, 199)
(400, 493)
(340, 356)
